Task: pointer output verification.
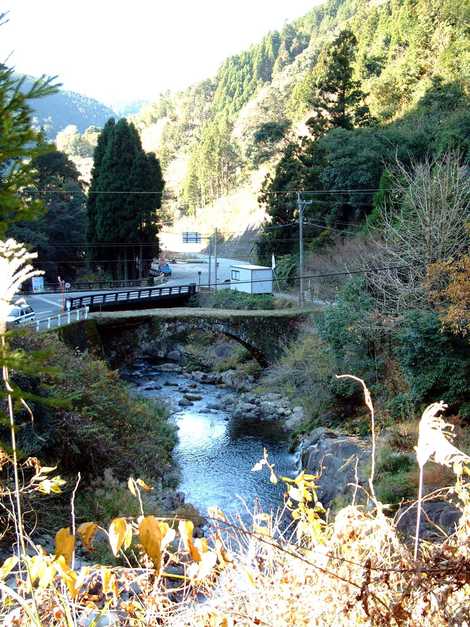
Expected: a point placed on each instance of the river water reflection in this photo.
(216, 452)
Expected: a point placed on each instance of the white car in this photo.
(20, 313)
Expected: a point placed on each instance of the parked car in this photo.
(20, 313)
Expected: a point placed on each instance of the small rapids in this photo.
(215, 452)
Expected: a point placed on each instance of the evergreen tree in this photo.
(57, 235)
(338, 101)
(125, 222)
(103, 140)
(19, 143)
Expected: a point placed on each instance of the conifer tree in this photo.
(338, 101)
(103, 140)
(127, 186)
(20, 142)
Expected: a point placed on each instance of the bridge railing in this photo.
(97, 301)
(83, 286)
(46, 323)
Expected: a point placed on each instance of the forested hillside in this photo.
(215, 134)
(65, 107)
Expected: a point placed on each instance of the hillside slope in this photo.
(214, 137)
(59, 110)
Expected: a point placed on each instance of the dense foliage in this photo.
(19, 143)
(393, 52)
(123, 201)
(86, 419)
(58, 236)
(345, 171)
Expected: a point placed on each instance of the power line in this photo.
(316, 276)
(161, 193)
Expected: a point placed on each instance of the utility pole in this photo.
(300, 205)
(215, 260)
(210, 261)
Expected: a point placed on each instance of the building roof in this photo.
(250, 266)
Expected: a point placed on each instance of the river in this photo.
(215, 452)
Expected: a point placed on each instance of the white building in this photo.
(251, 279)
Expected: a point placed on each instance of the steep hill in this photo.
(55, 112)
(214, 137)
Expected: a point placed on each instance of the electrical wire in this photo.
(371, 190)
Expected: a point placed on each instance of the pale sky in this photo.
(123, 50)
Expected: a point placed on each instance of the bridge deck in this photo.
(196, 312)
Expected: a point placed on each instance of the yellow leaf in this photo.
(68, 576)
(108, 579)
(41, 569)
(87, 531)
(51, 485)
(186, 527)
(7, 566)
(150, 535)
(216, 513)
(202, 545)
(131, 486)
(250, 578)
(45, 469)
(294, 493)
(168, 533)
(64, 544)
(144, 486)
(120, 534)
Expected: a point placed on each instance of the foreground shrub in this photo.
(353, 570)
(94, 422)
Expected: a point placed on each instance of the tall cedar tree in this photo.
(338, 101)
(123, 223)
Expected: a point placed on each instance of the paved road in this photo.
(182, 274)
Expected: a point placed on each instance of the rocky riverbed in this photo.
(217, 447)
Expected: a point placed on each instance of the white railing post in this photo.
(86, 312)
(68, 316)
(78, 314)
(49, 323)
(37, 326)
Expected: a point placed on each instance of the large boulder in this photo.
(237, 380)
(338, 459)
(438, 518)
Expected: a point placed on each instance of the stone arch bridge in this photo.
(262, 332)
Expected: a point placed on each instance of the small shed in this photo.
(251, 279)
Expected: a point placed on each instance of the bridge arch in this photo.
(262, 333)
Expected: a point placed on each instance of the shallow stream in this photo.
(215, 452)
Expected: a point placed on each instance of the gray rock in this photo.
(185, 403)
(193, 397)
(245, 410)
(153, 386)
(334, 457)
(170, 368)
(214, 406)
(174, 355)
(293, 422)
(434, 514)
